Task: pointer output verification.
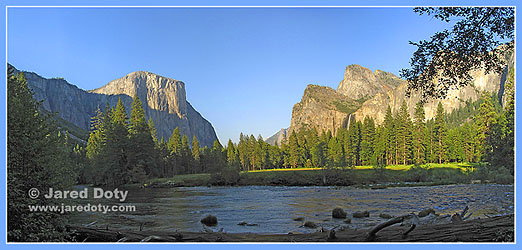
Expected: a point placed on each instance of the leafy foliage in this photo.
(473, 43)
(38, 156)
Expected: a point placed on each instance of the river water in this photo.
(273, 208)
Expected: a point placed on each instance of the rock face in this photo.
(361, 83)
(163, 100)
(491, 83)
(322, 108)
(277, 137)
(363, 93)
(376, 107)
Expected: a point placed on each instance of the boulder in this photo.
(338, 213)
(361, 214)
(385, 216)
(426, 212)
(310, 224)
(209, 220)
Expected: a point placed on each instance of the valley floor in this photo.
(362, 176)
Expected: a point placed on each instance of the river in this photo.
(273, 208)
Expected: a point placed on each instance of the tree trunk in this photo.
(495, 229)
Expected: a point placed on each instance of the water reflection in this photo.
(274, 208)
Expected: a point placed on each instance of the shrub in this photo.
(501, 175)
(227, 176)
(417, 174)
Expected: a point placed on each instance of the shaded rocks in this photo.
(361, 214)
(209, 220)
(426, 212)
(385, 216)
(310, 224)
(298, 219)
(244, 223)
(348, 221)
(331, 235)
(338, 213)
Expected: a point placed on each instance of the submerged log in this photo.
(499, 228)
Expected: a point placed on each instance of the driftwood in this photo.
(499, 228)
(373, 231)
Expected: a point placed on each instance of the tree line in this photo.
(39, 155)
(123, 149)
(126, 150)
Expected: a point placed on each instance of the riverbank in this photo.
(496, 229)
(363, 176)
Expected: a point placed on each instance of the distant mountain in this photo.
(364, 93)
(361, 83)
(277, 137)
(163, 99)
(322, 108)
(456, 98)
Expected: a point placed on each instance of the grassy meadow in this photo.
(362, 176)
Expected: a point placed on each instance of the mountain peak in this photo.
(163, 99)
(361, 83)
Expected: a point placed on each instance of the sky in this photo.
(244, 68)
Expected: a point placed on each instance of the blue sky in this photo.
(244, 68)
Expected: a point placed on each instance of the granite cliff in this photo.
(277, 137)
(365, 93)
(361, 83)
(491, 83)
(322, 108)
(163, 99)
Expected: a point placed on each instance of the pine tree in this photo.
(196, 154)
(318, 153)
(97, 136)
(485, 120)
(141, 152)
(175, 142)
(137, 120)
(163, 158)
(380, 149)
(275, 156)
(352, 143)
(368, 142)
(242, 148)
(232, 160)
(500, 140)
(440, 135)
(419, 133)
(185, 155)
(260, 153)
(335, 153)
(389, 136)
(295, 153)
(404, 128)
(115, 155)
(36, 158)
(174, 147)
(509, 127)
(218, 159)
(153, 131)
(252, 144)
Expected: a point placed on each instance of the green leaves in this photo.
(122, 150)
(445, 61)
(38, 156)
